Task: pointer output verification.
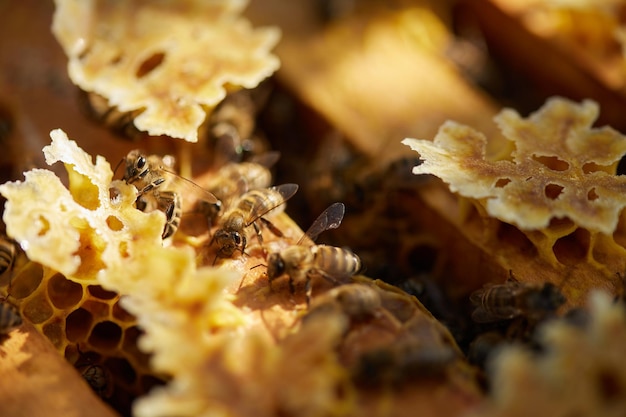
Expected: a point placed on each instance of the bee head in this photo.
(228, 242)
(136, 166)
(275, 266)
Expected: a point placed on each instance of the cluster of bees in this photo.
(238, 202)
(236, 205)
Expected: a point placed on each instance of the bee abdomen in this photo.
(171, 204)
(260, 200)
(336, 262)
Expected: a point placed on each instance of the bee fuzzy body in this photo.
(250, 208)
(158, 189)
(514, 299)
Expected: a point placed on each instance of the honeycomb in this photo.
(222, 340)
(168, 75)
(86, 324)
(557, 198)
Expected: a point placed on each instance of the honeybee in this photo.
(353, 301)
(250, 208)
(98, 109)
(301, 262)
(515, 299)
(235, 179)
(232, 124)
(7, 254)
(159, 188)
(402, 361)
(97, 376)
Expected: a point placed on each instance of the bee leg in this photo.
(244, 242)
(151, 186)
(275, 230)
(169, 218)
(259, 235)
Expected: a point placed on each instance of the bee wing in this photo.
(225, 148)
(329, 219)
(285, 191)
(266, 159)
(476, 298)
(190, 187)
(482, 315)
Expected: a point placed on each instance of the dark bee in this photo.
(515, 299)
(250, 208)
(97, 376)
(232, 124)
(97, 108)
(402, 361)
(301, 262)
(353, 301)
(160, 189)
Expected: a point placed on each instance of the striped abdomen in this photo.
(256, 203)
(7, 254)
(335, 263)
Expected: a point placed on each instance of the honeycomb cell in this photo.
(122, 369)
(552, 162)
(592, 195)
(553, 191)
(37, 309)
(99, 292)
(114, 223)
(28, 280)
(573, 248)
(44, 226)
(515, 238)
(54, 332)
(502, 182)
(590, 167)
(150, 64)
(99, 309)
(64, 293)
(84, 191)
(119, 313)
(105, 335)
(78, 324)
(123, 249)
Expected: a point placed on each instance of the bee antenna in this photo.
(256, 266)
(118, 165)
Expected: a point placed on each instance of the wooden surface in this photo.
(36, 381)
